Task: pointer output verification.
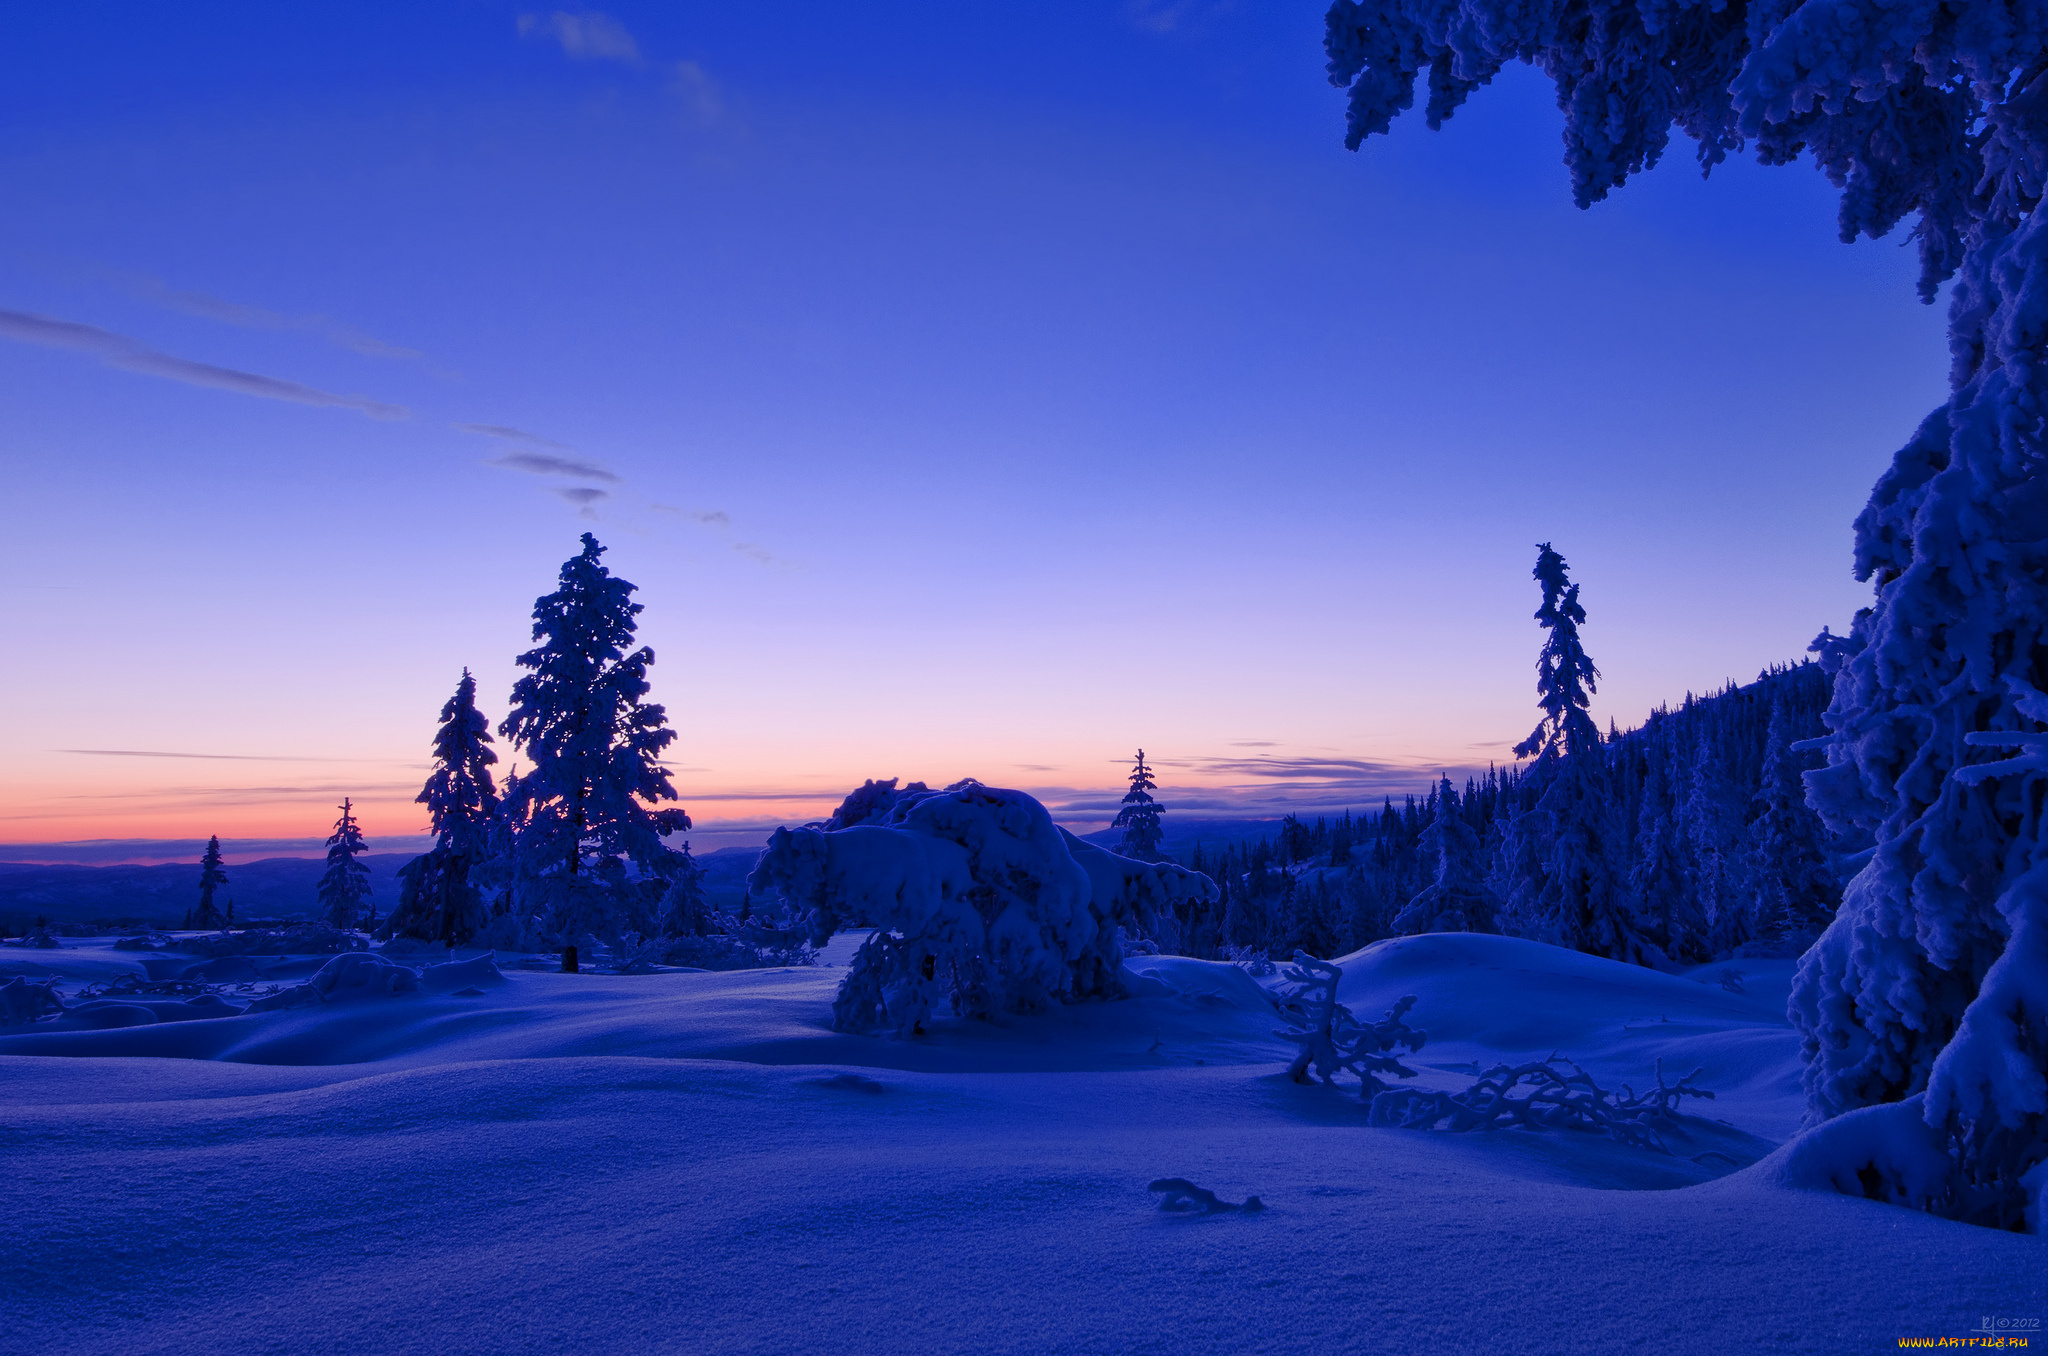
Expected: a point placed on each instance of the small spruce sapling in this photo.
(346, 883)
(1138, 817)
(208, 916)
(439, 899)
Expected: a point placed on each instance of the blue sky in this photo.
(971, 390)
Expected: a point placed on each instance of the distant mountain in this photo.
(276, 887)
(285, 887)
(1183, 833)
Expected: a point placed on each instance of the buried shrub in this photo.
(1548, 1094)
(297, 939)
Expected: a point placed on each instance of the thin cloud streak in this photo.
(547, 464)
(209, 307)
(220, 757)
(118, 350)
(512, 435)
(585, 36)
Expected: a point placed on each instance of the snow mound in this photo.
(1485, 1000)
(982, 905)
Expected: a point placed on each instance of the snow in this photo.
(698, 1162)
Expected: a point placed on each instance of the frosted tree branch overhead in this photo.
(1934, 975)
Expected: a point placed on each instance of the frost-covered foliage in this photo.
(1458, 900)
(587, 852)
(346, 885)
(1551, 1094)
(980, 903)
(1333, 1040)
(437, 898)
(1138, 817)
(1925, 108)
(211, 877)
(1932, 974)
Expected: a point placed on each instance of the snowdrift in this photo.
(698, 1162)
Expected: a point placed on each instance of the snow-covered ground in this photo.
(694, 1162)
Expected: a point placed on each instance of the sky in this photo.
(969, 390)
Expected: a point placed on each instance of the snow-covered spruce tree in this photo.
(1658, 879)
(346, 883)
(1458, 901)
(1796, 888)
(1934, 973)
(1578, 900)
(981, 903)
(211, 877)
(437, 899)
(1138, 817)
(684, 910)
(581, 716)
(1712, 818)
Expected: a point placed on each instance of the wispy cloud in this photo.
(717, 518)
(222, 757)
(118, 350)
(583, 495)
(1253, 744)
(722, 521)
(209, 307)
(1171, 16)
(547, 464)
(586, 35)
(512, 435)
(590, 35)
(699, 92)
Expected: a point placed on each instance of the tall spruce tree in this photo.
(211, 877)
(1577, 899)
(581, 716)
(1929, 977)
(1138, 817)
(438, 898)
(346, 884)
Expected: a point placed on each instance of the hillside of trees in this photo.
(1708, 836)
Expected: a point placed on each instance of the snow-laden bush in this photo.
(753, 944)
(22, 1002)
(1331, 1039)
(515, 930)
(365, 974)
(980, 903)
(301, 939)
